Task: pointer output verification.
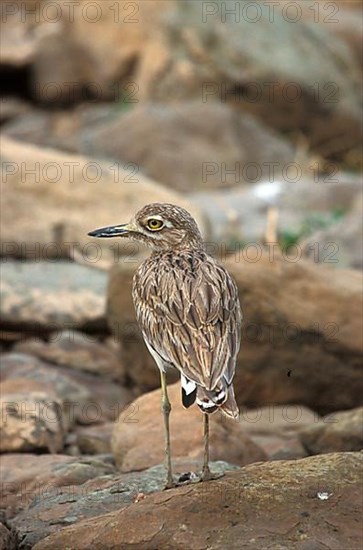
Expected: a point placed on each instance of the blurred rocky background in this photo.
(249, 115)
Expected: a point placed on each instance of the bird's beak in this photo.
(111, 231)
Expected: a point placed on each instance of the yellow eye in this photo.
(154, 224)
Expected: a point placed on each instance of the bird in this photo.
(187, 307)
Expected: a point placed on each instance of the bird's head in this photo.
(160, 226)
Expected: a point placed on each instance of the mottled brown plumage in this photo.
(186, 305)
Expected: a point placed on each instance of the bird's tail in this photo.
(230, 407)
(222, 397)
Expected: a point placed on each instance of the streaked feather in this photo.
(188, 309)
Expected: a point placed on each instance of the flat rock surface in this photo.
(27, 477)
(76, 350)
(70, 499)
(51, 296)
(290, 505)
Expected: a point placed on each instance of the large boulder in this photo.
(341, 431)
(196, 145)
(219, 52)
(231, 53)
(299, 344)
(19, 42)
(76, 350)
(138, 437)
(66, 46)
(69, 64)
(310, 503)
(32, 417)
(277, 428)
(86, 398)
(49, 297)
(53, 492)
(69, 196)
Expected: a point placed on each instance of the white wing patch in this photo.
(187, 385)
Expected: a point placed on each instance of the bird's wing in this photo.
(189, 313)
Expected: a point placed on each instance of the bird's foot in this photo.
(191, 477)
(188, 477)
(207, 475)
(169, 484)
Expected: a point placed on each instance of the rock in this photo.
(277, 429)
(57, 506)
(341, 431)
(108, 398)
(344, 24)
(299, 346)
(67, 65)
(33, 127)
(238, 216)
(65, 197)
(93, 440)
(310, 503)
(47, 297)
(87, 398)
(12, 107)
(138, 437)
(345, 237)
(73, 51)
(7, 538)
(78, 351)
(217, 57)
(205, 138)
(19, 42)
(349, 29)
(62, 71)
(232, 148)
(32, 417)
(57, 129)
(26, 369)
(30, 478)
(171, 52)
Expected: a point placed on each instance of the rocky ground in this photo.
(170, 118)
(81, 452)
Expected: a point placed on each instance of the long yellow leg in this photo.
(166, 408)
(206, 474)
